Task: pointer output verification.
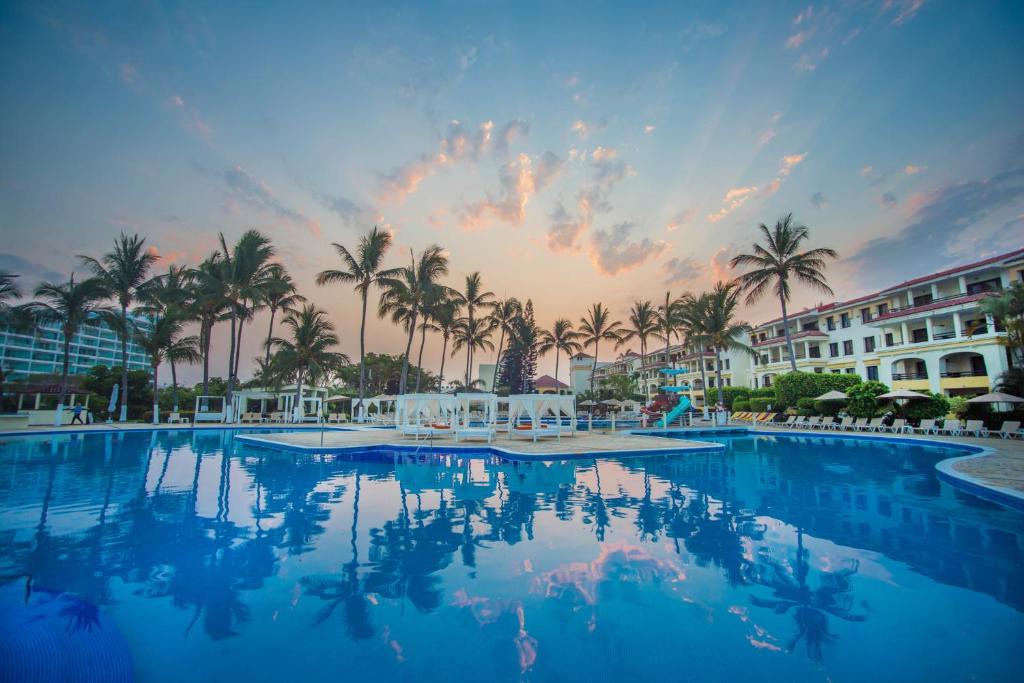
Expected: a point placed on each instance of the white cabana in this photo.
(425, 414)
(384, 403)
(476, 415)
(209, 409)
(535, 408)
(262, 404)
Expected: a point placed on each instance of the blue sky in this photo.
(572, 152)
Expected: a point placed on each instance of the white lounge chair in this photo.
(875, 425)
(859, 424)
(484, 432)
(1009, 430)
(898, 426)
(798, 423)
(812, 422)
(976, 427)
(842, 425)
(176, 418)
(951, 427)
(826, 423)
(789, 421)
(926, 427)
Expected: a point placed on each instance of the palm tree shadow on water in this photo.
(811, 607)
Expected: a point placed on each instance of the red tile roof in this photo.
(549, 382)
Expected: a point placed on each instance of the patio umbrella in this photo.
(587, 404)
(334, 399)
(612, 402)
(832, 396)
(996, 397)
(903, 395)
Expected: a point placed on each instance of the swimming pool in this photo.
(189, 556)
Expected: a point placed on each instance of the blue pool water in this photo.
(189, 556)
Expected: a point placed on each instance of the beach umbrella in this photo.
(587, 404)
(612, 402)
(996, 397)
(333, 399)
(902, 395)
(832, 396)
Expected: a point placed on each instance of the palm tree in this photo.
(279, 294)
(122, 271)
(718, 315)
(310, 349)
(561, 337)
(437, 302)
(643, 324)
(167, 296)
(472, 333)
(206, 302)
(405, 293)
(70, 306)
(364, 270)
(691, 319)
(161, 341)
(16, 317)
(503, 315)
(472, 298)
(778, 262)
(9, 291)
(444, 320)
(596, 327)
(245, 268)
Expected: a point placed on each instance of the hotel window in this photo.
(833, 350)
(849, 371)
(872, 373)
(726, 363)
(869, 344)
(889, 339)
(848, 347)
(919, 335)
(883, 309)
(844, 320)
(865, 314)
(830, 323)
(836, 371)
(764, 358)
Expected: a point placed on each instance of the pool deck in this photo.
(993, 469)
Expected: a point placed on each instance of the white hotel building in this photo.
(923, 334)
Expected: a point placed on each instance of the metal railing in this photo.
(964, 373)
(909, 375)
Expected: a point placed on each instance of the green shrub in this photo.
(935, 407)
(729, 395)
(805, 403)
(863, 401)
(760, 405)
(792, 386)
(741, 405)
(763, 392)
(829, 408)
(958, 407)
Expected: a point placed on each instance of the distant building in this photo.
(485, 373)
(546, 384)
(41, 352)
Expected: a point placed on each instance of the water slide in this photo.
(681, 407)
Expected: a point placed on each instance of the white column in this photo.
(928, 328)
(905, 331)
(931, 364)
(910, 297)
(958, 326)
(935, 291)
(990, 323)
(963, 284)
(807, 349)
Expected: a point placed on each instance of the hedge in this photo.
(863, 401)
(792, 386)
(760, 405)
(729, 394)
(741, 405)
(936, 406)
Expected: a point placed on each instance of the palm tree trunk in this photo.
(444, 353)
(703, 377)
(405, 360)
(362, 352)
(64, 381)
(270, 335)
(124, 363)
(207, 336)
(238, 346)
(231, 372)
(174, 379)
(789, 338)
(720, 398)
(593, 370)
(419, 358)
(556, 368)
(156, 396)
(497, 361)
(297, 408)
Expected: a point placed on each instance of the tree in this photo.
(406, 291)
(364, 270)
(779, 262)
(667, 318)
(473, 298)
(167, 296)
(16, 317)
(596, 327)
(69, 305)
(121, 272)
(309, 350)
(444, 321)
(472, 333)
(502, 316)
(1007, 311)
(207, 302)
(561, 337)
(692, 319)
(161, 340)
(862, 398)
(643, 324)
(439, 301)
(520, 366)
(279, 294)
(718, 312)
(245, 269)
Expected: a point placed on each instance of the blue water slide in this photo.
(673, 371)
(681, 407)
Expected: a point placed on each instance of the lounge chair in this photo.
(842, 425)
(898, 426)
(484, 432)
(176, 418)
(826, 423)
(798, 423)
(976, 427)
(1009, 430)
(951, 427)
(276, 417)
(926, 427)
(812, 422)
(859, 424)
(875, 425)
(251, 417)
(789, 421)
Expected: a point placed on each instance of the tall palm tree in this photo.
(473, 298)
(405, 293)
(777, 263)
(691, 320)
(207, 302)
(561, 337)
(437, 302)
(643, 324)
(245, 267)
(503, 315)
(69, 305)
(363, 269)
(162, 341)
(9, 291)
(444, 320)
(719, 324)
(595, 327)
(309, 351)
(13, 316)
(279, 294)
(472, 333)
(122, 271)
(168, 296)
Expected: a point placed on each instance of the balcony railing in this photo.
(964, 373)
(939, 302)
(909, 375)
(944, 335)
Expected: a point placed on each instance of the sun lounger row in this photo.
(1009, 430)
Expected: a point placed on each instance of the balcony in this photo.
(963, 373)
(929, 305)
(898, 376)
(781, 339)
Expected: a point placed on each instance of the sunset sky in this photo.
(571, 152)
